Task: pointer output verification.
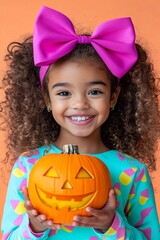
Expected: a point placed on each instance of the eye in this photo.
(51, 172)
(64, 93)
(95, 92)
(83, 173)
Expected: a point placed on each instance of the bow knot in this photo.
(83, 39)
(54, 37)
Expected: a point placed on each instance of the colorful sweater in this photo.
(136, 216)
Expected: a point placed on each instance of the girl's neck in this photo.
(89, 145)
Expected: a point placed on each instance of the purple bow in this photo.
(54, 37)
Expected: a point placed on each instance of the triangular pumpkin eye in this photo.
(51, 173)
(83, 173)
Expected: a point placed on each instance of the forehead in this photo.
(68, 71)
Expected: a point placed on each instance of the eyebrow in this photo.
(63, 84)
(96, 83)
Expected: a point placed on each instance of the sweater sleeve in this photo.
(140, 220)
(15, 222)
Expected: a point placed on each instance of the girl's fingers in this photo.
(34, 215)
(93, 223)
(75, 224)
(112, 201)
(42, 219)
(85, 220)
(99, 217)
(50, 224)
(55, 226)
(27, 203)
(80, 219)
(109, 206)
(25, 193)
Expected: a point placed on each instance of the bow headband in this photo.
(54, 37)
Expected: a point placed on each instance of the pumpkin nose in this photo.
(67, 185)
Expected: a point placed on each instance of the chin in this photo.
(81, 134)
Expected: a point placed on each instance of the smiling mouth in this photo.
(60, 201)
(80, 118)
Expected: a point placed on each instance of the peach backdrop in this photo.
(17, 19)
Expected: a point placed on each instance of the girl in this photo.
(97, 91)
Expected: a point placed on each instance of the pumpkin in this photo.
(63, 185)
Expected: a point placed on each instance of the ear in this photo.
(46, 100)
(114, 97)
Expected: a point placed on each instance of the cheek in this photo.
(103, 106)
(58, 106)
(103, 110)
(58, 112)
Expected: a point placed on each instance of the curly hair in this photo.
(133, 127)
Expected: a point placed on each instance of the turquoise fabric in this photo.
(136, 216)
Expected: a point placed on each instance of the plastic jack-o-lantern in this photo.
(63, 185)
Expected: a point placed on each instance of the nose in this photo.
(67, 185)
(80, 102)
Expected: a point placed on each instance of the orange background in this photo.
(17, 19)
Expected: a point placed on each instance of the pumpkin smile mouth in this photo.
(62, 201)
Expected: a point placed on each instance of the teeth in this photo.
(78, 118)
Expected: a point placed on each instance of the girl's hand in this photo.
(38, 222)
(101, 219)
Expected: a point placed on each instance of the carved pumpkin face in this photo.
(63, 185)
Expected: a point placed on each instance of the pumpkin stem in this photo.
(70, 149)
